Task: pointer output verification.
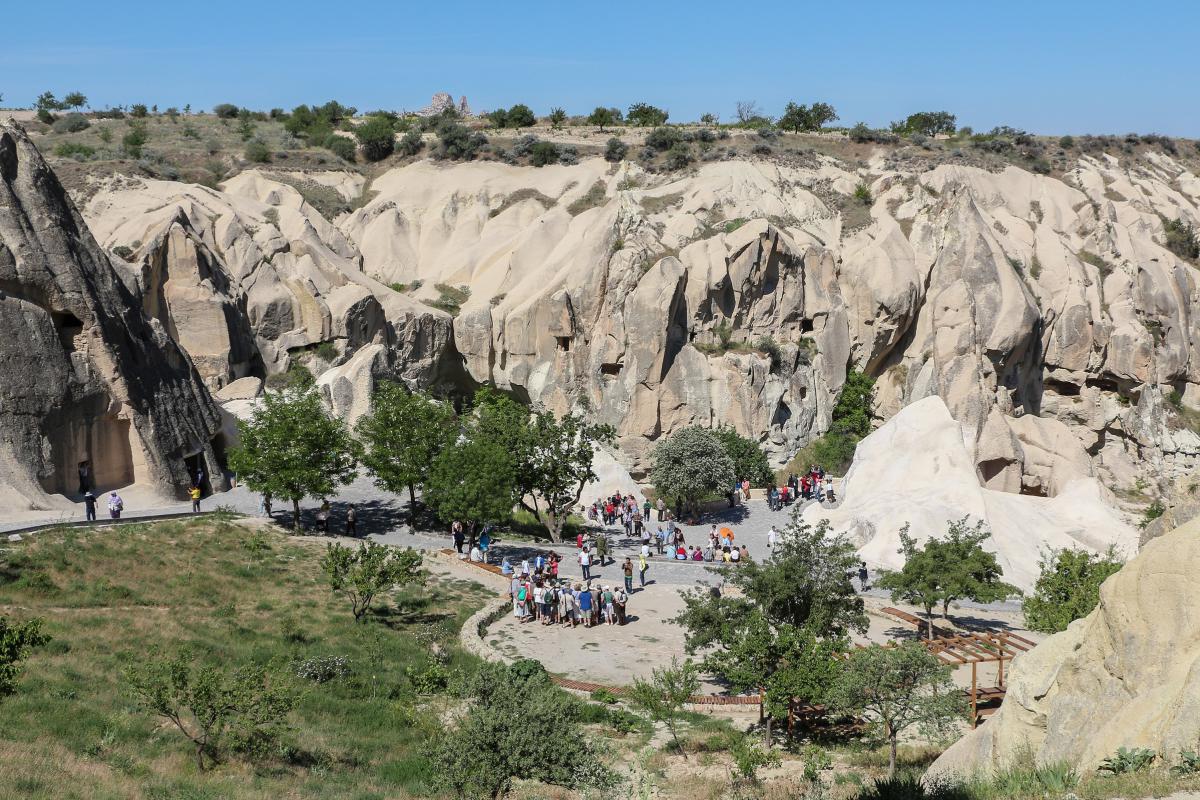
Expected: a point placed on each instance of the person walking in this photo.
(115, 504)
(195, 493)
(772, 538)
(89, 505)
(323, 517)
(627, 568)
(456, 530)
(485, 541)
(264, 507)
(351, 521)
(585, 563)
(862, 575)
(643, 565)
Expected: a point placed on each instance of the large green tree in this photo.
(896, 688)
(690, 464)
(552, 455)
(292, 448)
(644, 115)
(807, 118)
(945, 570)
(793, 613)
(474, 482)
(605, 116)
(1068, 588)
(749, 460)
(377, 136)
(403, 435)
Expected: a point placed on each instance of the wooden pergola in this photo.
(959, 649)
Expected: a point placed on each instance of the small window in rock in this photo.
(68, 327)
(610, 369)
(564, 343)
(806, 326)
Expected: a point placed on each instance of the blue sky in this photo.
(1048, 67)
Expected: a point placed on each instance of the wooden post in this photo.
(974, 695)
(1001, 676)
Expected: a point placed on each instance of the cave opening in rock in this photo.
(610, 369)
(992, 468)
(782, 414)
(806, 325)
(68, 326)
(564, 343)
(198, 472)
(102, 441)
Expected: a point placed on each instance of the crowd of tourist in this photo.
(539, 594)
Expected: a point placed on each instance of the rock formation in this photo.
(251, 278)
(1046, 313)
(93, 392)
(919, 469)
(1124, 676)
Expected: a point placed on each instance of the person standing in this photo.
(661, 506)
(351, 521)
(585, 605)
(643, 565)
(194, 493)
(862, 575)
(772, 538)
(89, 505)
(620, 598)
(115, 504)
(485, 541)
(264, 506)
(456, 530)
(323, 517)
(585, 563)
(627, 568)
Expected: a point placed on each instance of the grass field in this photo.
(109, 598)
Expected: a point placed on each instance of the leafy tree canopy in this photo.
(16, 640)
(292, 448)
(691, 463)
(605, 116)
(378, 138)
(926, 123)
(1068, 588)
(807, 118)
(645, 115)
(749, 460)
(403, 435)
(361, 573)
(475, 482)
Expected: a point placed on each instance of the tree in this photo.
(749, 460)
(475, 482)
(16, 640)
(926, 123)
(805, 118)
(747, 111)
(945, 570)
(213, 706)
(46, 101)
(257, 152)
(552, 456)
(792, 616)
(519, 116)
(1067, 588)
(292, 448)
(895, 688)
(543, 153)
(341, 147)
(74, 100)
(139, 111)
(604, 116)
(456, 141)
(361, 573)
(664, 695)
(402, 437)
(557, 117)
(494, 741)
(644, 115)
(410, 143)
(228, 110)
(377, 137)
(710, 119)
(690, 464)
(133, 141)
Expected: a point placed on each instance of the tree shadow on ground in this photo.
(981, 625)
(374, 517)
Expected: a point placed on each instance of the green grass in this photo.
(593, 198)
(450, 298)
(111, 596)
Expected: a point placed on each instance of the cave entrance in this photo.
(89, 452)
(610, 369)
(564, 343)
(198, 472)
(68, 326)
(992, 468)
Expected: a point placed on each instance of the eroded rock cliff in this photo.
(86, 380)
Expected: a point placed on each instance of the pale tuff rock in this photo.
(919, 469)
(247, 278)
(1124, 676)
(85, 375)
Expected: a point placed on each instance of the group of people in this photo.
(539, 594)
(115, 505)
(624, 510)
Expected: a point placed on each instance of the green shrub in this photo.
(258, 152)
(615, 150)
(430, 678)
(644, 115)
(1181, 239)
(1066, 142)
(377, 137)
(123, 251)
(71, 123)
(341, 147)
(543, 153)
(457, 142)
(410, 143)
(133, 141)
(138, 111)
(679, 156)
(604, 696)
(1189, 763)
(1151, 513)
(663, 138)
(1125, 761)
(72, 149)
(225, 110)
(862, 193)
